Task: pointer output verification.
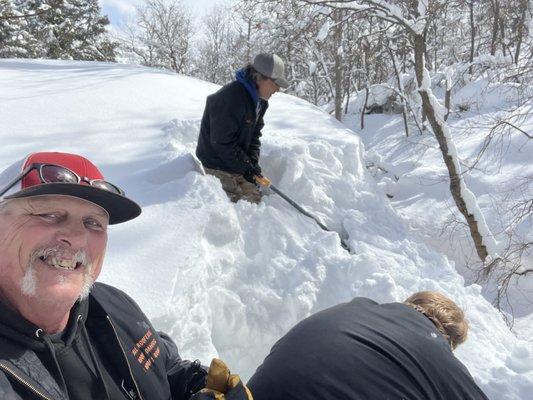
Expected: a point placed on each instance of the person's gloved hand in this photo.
(222, 384)
(251, 173)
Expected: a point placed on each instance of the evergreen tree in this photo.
(14, 37)
(70, 29)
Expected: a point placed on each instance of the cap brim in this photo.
(119, 208)
(282, 82)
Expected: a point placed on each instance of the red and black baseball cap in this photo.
(53, 173)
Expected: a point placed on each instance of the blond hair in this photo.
(444, 313)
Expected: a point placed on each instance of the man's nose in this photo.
(73, 233)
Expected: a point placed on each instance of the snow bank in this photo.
(229, 279)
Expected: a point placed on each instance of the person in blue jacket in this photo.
(229, 141)
(363, 350)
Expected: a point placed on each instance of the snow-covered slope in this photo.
(229, 279)
(412, 172)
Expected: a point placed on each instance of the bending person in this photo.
(363, 350)
(229, 142)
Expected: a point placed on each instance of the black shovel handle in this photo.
(304, 212)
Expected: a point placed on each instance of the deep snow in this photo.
(229, 279)
(411, 171)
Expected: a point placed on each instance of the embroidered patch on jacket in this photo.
(146, 350)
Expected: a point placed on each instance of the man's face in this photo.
(267, 88)
(51, 249)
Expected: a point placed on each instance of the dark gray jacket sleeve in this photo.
(185, 377)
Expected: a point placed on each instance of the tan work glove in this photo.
(222, 384)
(262, 180)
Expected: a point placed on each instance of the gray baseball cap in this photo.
(271, 66)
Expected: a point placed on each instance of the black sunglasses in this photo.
(50, 173)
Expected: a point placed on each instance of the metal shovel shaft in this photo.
(304, 212)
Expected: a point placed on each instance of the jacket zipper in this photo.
(21, 380)
(125, 357)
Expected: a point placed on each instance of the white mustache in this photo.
(61, 252)
(29, 281)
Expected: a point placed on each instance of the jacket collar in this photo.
(241, 77)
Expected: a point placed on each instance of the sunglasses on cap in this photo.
(50, 173)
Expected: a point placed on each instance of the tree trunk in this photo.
(427, 58)
(447, 100)
(367, 90)
(337, 17)
(315, 89)
(472, 36)
(435, 48)
(366, 49)
(457, 186)
(400, 87)
(347, 102)
(520, 29)
(501, 38)
(495, 26)
(248, 39)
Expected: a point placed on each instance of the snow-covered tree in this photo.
(14, 37)
(415, 20)
(58, 29)
(161, 36)
(219, 54)
(71, 29)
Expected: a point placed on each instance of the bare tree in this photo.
(161, 36)
(218, 51)
(414, 19)
(365, 47)
(495, 8)
(520, 27)
(400, 86)
(472, 34)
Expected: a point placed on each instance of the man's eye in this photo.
(49, 216)
(94, 224)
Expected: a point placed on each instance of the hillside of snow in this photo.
(411, 171)
(229, 279)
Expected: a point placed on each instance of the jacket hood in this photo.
(240, 75)
(18, 329)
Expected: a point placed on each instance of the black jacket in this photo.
(230, 130)
(145, 363)
(363, 351)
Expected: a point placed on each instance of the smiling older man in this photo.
(62, 336)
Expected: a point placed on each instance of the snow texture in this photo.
(411, 171)
(228, 279)
(323, 33)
